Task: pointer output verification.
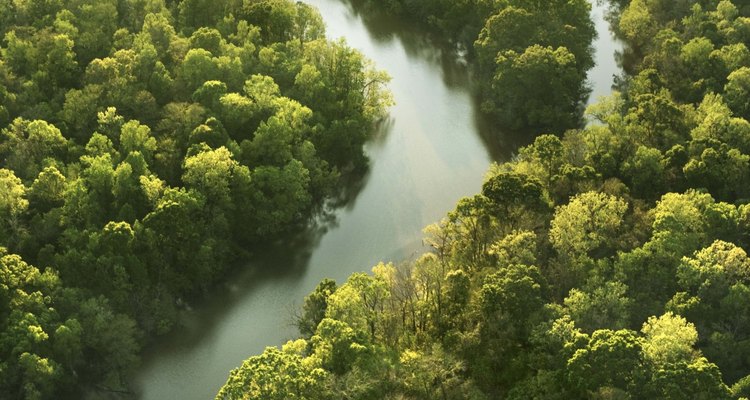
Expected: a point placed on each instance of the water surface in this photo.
(429, 154)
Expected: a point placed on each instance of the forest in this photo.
(602, 262)
(146, 147)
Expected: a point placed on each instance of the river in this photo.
(429, 154)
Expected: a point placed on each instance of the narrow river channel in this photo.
(428, 155)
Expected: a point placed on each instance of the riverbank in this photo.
(429, 155)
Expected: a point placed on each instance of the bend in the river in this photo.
(429, 155)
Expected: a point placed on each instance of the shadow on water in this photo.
(283, 259)
(457, 70)
(501, 144)
(270, 262)
(417, 40)
(352, 183)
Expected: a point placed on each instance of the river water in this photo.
(428, 155)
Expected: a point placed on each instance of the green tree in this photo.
(13, 204)
(540, 88)
(48, 190)
(669, 339)
(26, 145)
(515, 199)
(360, 303)
(588, 225)
(137, 138)
(679, 370)
(714, 286)
(212, 173)
(314, 307)
(606, 307)
(510, 302)
(736, 91)
(610, 362)
(276, 375)
(338, 346)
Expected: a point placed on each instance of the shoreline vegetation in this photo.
(145, 145)
(608, 262)
(532, 57)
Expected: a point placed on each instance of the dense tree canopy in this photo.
(145, 147)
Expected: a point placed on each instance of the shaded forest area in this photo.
(608, 262)
(145, 145)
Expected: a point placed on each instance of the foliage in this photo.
(145, 147)
(608, 262)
